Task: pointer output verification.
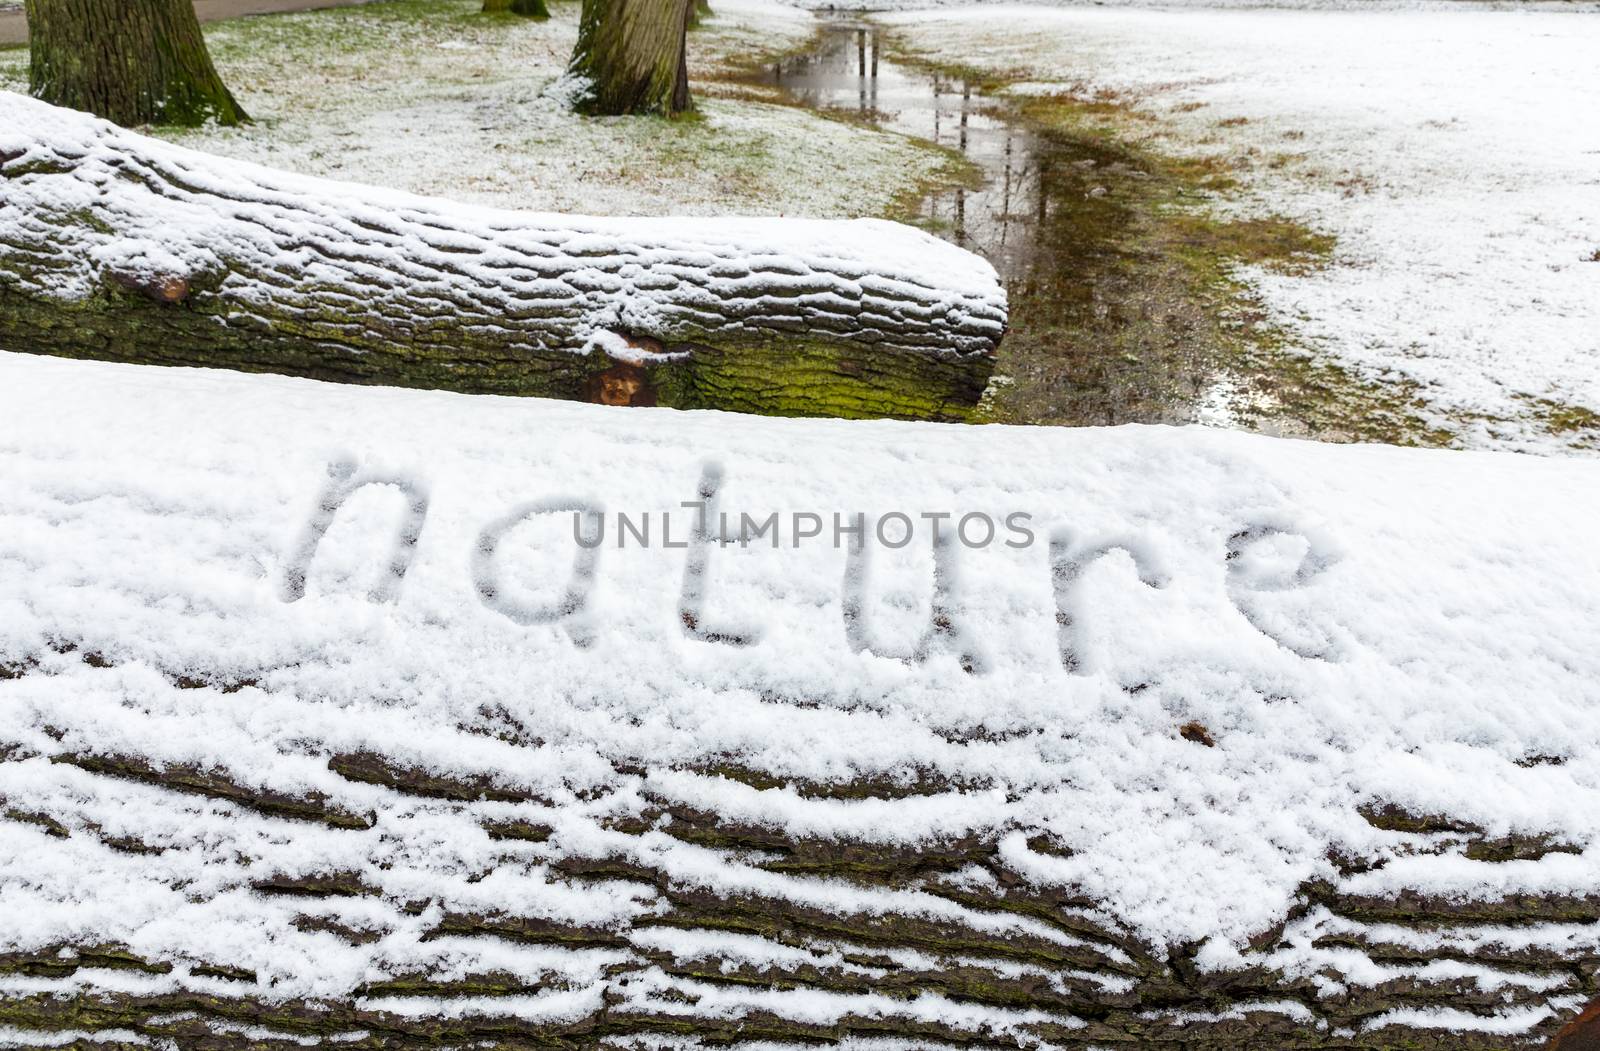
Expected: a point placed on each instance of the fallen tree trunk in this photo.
(120, 247)
(986, 961)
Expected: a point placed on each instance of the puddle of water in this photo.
(1091, 341)
(850, 74)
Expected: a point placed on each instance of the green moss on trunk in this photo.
(755, 372)
(813, 337)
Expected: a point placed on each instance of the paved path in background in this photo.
(14, 27)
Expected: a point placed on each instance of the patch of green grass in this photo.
(1273, 242)
(14, 69)
(1580, 426)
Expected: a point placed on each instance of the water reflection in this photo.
(849, 73)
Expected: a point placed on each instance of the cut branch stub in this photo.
(121, 247)
(1582, 1033)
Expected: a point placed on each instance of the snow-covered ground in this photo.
(1454, 151)
(1400, 626)
(431, 98)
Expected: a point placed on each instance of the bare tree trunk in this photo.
(635, 55)
(527, 8)
(129, 61)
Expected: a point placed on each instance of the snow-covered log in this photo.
(318, 728)
(121, 247)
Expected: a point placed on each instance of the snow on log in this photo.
(121, 247)
(319, 727)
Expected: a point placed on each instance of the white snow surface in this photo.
(1397, 626)
(1453, 150)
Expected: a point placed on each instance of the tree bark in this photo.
(527, 8)
(129, 61)
(634, 54)
(120, 247)
(1077, 983)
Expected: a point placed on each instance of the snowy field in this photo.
(424, 95)
(440, 102)
(1352, 649)
(1453, 151)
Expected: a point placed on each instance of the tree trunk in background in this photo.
(635, 54)
(698, 12)
(129, 61)
(529, 8)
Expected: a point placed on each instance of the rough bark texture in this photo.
(634, 54)
(1101, 988)
(527, 8)
(199, 261)
(130, 61)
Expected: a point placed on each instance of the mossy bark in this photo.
(758, 375)
(282, 280)
(526, 8)
(129, 61)
(634, 54)
(808, 374)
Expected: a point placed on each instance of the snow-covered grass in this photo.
(1451, 151)
(1352, 649)
(430, 96)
